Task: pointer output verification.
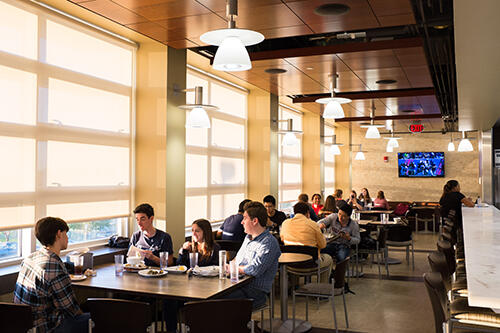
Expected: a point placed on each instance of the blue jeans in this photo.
(78, 324)
(258, 296)
(338, 251)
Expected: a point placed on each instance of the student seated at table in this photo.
(341, 223)
(202, 243)
(364, 197)
(149, 240)
(44, 283)
(232, 229)
(380, 201)
(305, 198)
(275, 216)
(329, 207)
(258, 256)
(316, 203)
(338, 195)
(301, 230)
(354, 202)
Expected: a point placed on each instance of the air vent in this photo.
(386, 81)
(275, 70)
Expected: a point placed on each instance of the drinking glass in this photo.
(233, 271)
(163, 260)
(78, 264)
(384, 217)
(193, 259)
(119, 264)
(222, 264)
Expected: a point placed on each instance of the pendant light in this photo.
(290, 139)
(393, 140)
(360, 155)
(465, 144)
(372, 129)
(334, 147)
(232, 56)
(197, 117)
(451, 145)
(389, 149)
(333, 109)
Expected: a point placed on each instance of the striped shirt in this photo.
(44, 284)
(260, 258)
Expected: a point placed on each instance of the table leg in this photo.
(284, 292)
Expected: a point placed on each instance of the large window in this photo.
(216, 174)
(329, 161)
(290, 160)
(65, 127)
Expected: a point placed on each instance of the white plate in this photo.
(177, 269)
(147, 272)
(134, 268)
(206, 271)
(77, 277)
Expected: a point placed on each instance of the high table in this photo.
(390, 261)
(481, 226)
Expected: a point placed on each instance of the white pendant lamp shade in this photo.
(451, 146)
(232, 56)
(393, 143)
(333, 110)
(197, 118)
(360, 156)
(389, 148)
(372, 132)
(465, 145)
(334, 150)
(290, 139)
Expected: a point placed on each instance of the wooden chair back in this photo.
(15, 318)
(437, 295)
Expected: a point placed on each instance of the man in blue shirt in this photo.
(258, 255)
(150, 240)
(232, 229)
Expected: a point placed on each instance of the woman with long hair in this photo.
(329, 207)
(316, 202)
(364, 196)
(202, 242)
(354, 202)
(452, 199)
(380, 201)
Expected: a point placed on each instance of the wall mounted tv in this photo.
(421, 164)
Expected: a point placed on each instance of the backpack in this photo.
(401, 209)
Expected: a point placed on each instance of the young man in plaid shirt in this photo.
(44, 284)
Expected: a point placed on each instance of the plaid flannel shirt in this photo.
(44, 284)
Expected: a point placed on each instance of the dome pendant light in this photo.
(334, 147)
(465, 144)
(232, 56)
(290, 139)
(393, 141)
(372, 129)
(451, 145)
(197, 117)
(333, 109)
(360, 155)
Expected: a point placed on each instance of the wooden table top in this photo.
(173, 286)
(292, 258)
(365, 222)
(374, 211)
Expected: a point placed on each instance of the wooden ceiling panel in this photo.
(176, 8)
(370, 76)
(339, 26)
(153, 30)
(418, 76)
(181, 44)
(192, 26)
(220, 5)
(390, 7)
(271, 63)
(266, 17)
(113, 11)
(394, 20)
(369, 60)
(297, 30)
(412, 56)
(133, 4)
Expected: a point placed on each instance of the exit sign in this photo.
(416, 128)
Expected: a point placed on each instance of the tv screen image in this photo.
(421, 164)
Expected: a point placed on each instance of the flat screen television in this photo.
(421, 164)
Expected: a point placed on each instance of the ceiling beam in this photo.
(338, 48)
(395, 117)
(411, 92)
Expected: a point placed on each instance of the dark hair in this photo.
(346, 208)
(303, 197)
(241, 207)
(380, 195)
(257, 210)
(316, 195)
(269, 198)
(301, 208)
(449, 186)
(208, 237)
(145, 208)
(367, 199)
(330, 204)
(355, 194)
(338, 193)
(46, 229)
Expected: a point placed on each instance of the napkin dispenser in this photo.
(88, 261)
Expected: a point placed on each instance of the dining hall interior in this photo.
(382, 110)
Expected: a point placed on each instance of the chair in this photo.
(16, 318)
(325, 290)
(380, 250)
(426, 215)
(220, 315)
(117, 315)
(232, 247)
(438, 264)
(269, 305)
(460, 315)
(305, 269)
(399, 235)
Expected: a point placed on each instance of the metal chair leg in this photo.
(293, 310)
(334, 314)
(307, 308)
(345, 310)
(412, 255)
(378, 264)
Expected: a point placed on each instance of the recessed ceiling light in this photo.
(275, 70)
(407, 111)
(440, 27)
(386, 81)
(331, 9)
(309, 68)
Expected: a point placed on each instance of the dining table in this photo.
(380, 224)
